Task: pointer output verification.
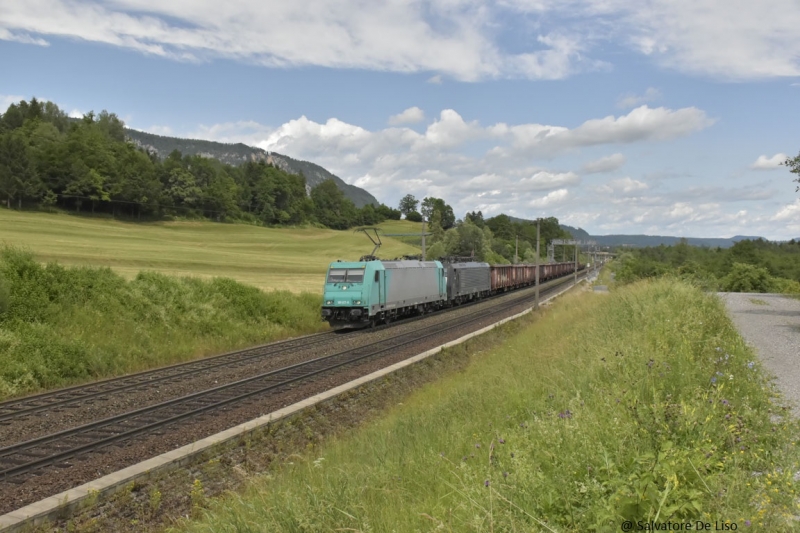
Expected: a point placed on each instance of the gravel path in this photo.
(770, 323)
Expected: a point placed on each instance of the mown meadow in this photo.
(293, 259)
(642, 404)
(62, 325)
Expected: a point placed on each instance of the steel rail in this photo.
(35, 454)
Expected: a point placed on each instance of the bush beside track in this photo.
(60, 326)
(644, 404)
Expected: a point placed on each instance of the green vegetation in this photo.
(47, 159)
(65, 325)
(292, 259)
(644, 404)
(747, 266)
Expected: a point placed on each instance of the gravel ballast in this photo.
(770, 323)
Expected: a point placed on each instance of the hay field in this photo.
(269, 258)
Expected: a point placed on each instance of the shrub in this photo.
(747, 278)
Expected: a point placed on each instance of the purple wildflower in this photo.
(751, 364)
(505, 475)
(501, 441)
(486, 483)
(747, 523)
(714, 379)
(650, 363)
(478, 445)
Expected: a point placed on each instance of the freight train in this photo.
(366, 293)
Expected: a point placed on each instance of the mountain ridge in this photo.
(240, 153)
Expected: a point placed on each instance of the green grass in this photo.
(60, 325)
(758, 301)
(605, 275)
(268, 258)
(644, 404)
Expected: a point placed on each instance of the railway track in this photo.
(61, 398)
(57, 448)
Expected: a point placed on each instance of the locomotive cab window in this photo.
(336, 275)
(355, 276)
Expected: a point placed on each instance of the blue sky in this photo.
(656, 116)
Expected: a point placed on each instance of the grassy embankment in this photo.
(268, 258)
(644, 404)
(62, 325)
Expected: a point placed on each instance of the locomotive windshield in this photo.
(342, 275)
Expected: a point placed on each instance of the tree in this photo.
(476, 218)
(332, 207)
(408, 204)
(18, 177)
(431, 205)
(414, 216)
(794, 168)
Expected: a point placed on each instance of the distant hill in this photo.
(640, 241)
(238, 154)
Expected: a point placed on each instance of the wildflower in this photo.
(650, 363)
(718, 349)
(747, 523)
(505, 475)
(751, 364)
(724, 402)
(478, 445)
(501, 441)
(565, 414)
(714, 379)
(486, 483)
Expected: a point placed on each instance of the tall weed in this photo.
(641, 405)
(64, 325)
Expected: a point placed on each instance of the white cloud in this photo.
(641, 124)
(604, 164)
(631, 100)
(789, 213)
(76, 113)
(737, 39)
(551, 199)
(436, 80)
(6, 35)
(8, 99)
(455, 38)
(412, 115)
(769, 163)
(624, 185)
(544, 180)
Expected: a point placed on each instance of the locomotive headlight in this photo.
(357, 302)
(328, 302)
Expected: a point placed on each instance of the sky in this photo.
(664, 117)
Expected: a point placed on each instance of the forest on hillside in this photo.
(87, 165)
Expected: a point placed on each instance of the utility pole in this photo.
(576, 263)
(536, 304)
(423, 239)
